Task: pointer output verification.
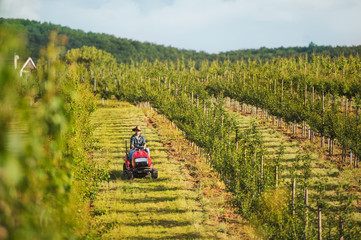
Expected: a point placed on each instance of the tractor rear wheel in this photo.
(124, 170)
(154, 173)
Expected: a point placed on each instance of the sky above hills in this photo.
(204, 25)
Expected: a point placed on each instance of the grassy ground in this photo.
(181, 204)
(322, 170)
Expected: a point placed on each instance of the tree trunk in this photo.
(350, 104)
(313, 94)
(322, 141)
(282, 91)
(351, 157)
(309, 133)
(306, 213)
(303, 128)
(262, 169)
(341, 228)
(274, 90)
(276, 176)
(341, 103)
(319, 223)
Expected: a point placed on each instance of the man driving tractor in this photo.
(138, 162)
(137, 142)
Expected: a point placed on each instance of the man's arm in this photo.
(144, 143)
(132, 142)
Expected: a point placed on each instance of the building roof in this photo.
(28, 64)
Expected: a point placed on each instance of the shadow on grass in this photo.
(157, 189)
(175, 236)
(116, 174)
(155, 211)
(139, 179)
(150, 199)
(163, 223)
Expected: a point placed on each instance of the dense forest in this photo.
(127, 50)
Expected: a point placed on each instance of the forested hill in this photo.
(125, 50)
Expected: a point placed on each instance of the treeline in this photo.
(126, 50)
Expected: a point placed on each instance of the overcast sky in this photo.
(208, 25)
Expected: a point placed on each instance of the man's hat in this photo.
(137, 128)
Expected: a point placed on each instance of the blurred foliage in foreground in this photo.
(46, 177)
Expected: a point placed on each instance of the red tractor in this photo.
(139, 166)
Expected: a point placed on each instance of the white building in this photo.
(27, 67)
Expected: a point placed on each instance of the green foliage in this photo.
(45, 172)
(47, 154)
(194, 101)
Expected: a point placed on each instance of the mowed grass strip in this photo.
(322, 170)
(165, 208)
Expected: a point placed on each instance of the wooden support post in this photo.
(329, 145)
(262, 169)
(294, 197)
(319, 223)
(341, 103)
(355, 162)
(313, 94)
(306, 214)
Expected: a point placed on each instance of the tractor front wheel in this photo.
(130, 175)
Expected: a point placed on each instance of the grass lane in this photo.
(169, 207)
